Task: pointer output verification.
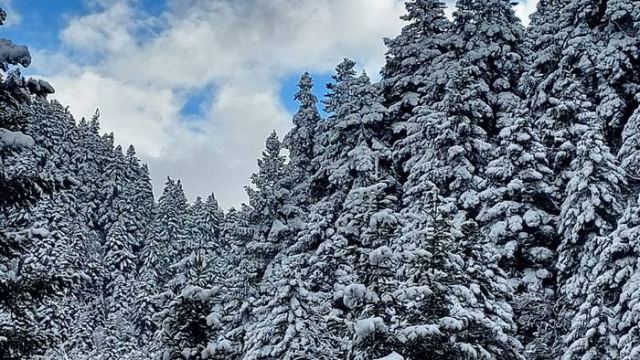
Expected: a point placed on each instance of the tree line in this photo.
(478, 202)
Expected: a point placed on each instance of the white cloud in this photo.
(140, 67)
(141, 115)
(107, 31)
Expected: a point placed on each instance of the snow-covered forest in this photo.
(478, 202)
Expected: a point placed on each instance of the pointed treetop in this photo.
(133, 161)
(231, 214)
(198, 202)
(108, 140)
(339, 90)
(272, 144)
(407, 75)
(94, 123)
(469, 12)
(173, 192)
(212, 201)
(305, 92)
(131, 151)
(364, 77)
(307, 115)
(344, 71)
(428, 13)
(300, 140)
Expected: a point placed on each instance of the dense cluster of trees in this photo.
(478, 202)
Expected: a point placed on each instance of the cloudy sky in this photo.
(196, 85)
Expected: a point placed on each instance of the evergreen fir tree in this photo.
(163, 243)
(300, 140)
(23, 284)
(160, 251)
(187, 321)
(518, 217)
(357, 208)
(453, 303)
(601, 327)
(268, 215)
(477, 203)
(408, 79)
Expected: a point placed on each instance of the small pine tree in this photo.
(269, 214)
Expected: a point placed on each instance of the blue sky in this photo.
(196, 85)
(39, 21)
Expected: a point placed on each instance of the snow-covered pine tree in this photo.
(139, 193)
(367, 222)
(301, 139)
(584, 58)
(419, 41)
(91, 155)
(487, 42)
(283, 321)
(481, 68)
(407, 78)
(329, 187)
(23, 285)
(568, 97)
(119, 242)
(453, 302)
(410, 54)
(518, 215)
(117, 337)
(269, 214)
(592, 205)
(323, 199)
(618, 69)
(187, 321)
(202, 245)
(163, 243)
(158, 253)
(185, 324)
(56, 137)
(273, 333)
(619, 66)
(137, 217)
(541, 49)
(516, 196)
(603, 327)
(130, 202)
(356, 188)
(231, 317)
